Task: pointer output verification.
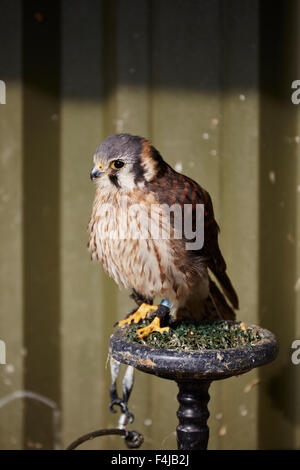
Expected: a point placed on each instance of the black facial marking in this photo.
(161, 165)
(114, 179)
(138, 171)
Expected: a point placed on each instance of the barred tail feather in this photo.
(216, 305)
(227, 288)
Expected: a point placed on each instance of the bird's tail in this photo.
(216, 306)
(227, 287)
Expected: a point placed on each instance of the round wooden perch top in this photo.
(194, 370)
(202, 364)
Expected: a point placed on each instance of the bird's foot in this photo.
(162, 315)
(140, 314)
(154, 326)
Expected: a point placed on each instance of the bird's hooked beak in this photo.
(96, 172)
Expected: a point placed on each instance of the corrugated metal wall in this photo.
(209, 81)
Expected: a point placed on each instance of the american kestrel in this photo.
(135, 189)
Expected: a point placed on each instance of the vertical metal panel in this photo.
(279, 239)
(209, 82)
(11, 307)
(296, 375)
(86, 320)
(41, 212)
(239, 204)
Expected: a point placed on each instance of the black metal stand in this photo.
(193, 371)
(192, 431)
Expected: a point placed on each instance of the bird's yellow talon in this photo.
(139, 315)
(154, 326)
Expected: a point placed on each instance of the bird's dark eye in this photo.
(117, 164)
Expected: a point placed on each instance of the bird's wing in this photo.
(175, 188)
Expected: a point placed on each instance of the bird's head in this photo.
(125, 162)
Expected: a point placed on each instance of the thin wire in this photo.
(133, 438)
(91, 435)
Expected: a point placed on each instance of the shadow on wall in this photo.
(278, 218)
(178, 45)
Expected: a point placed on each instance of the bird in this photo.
(135, 187)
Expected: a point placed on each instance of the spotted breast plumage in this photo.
(140, 243)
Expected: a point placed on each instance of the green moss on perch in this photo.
(193, 336)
